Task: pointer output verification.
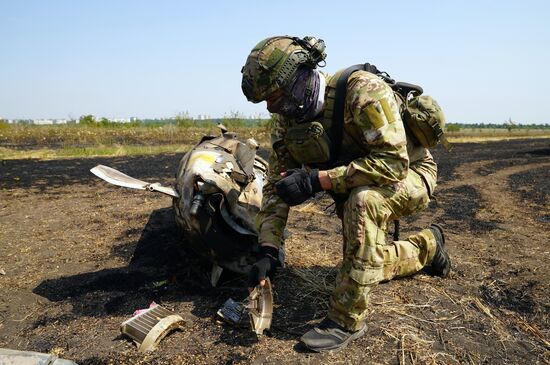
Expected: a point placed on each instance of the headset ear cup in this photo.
(315, 48)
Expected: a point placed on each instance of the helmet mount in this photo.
(316, 48)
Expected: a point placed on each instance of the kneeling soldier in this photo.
(364, 160)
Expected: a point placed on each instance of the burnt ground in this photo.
(78, 256)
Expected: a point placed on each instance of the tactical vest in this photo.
(309, 143)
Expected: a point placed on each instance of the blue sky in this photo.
(484, 61)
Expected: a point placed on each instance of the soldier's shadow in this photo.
(160, 269)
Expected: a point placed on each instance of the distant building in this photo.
(123, 120)
(43, 121)
(46, 121)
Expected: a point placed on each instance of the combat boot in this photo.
(329, 335)
(441, 262)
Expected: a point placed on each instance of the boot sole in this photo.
(354, 336)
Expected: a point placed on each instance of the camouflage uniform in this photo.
(378, 178)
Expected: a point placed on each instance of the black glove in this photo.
(268, 260)
(298, 186)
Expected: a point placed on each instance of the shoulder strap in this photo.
(337, 126)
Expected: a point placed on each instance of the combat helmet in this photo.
(273, 62)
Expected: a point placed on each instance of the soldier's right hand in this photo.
(265, 265)
(298, 185)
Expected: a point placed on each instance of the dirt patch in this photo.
(466, 202)
(534, 191)
(518, 299)
(80, 256)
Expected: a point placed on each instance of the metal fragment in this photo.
(260, 306)
(118, 178)
(233, 312)
(149, 327)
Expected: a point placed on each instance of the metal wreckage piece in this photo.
(220, 184)
(116, 177)
(217, 195)
(258, 307)
(150, 326)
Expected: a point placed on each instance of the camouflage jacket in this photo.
(374, 149)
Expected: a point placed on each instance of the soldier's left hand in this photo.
(298, 185)
(268, 261)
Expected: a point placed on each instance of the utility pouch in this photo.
(308, 143)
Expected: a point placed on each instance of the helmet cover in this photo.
(273, 62)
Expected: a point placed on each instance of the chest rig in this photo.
(328, 141)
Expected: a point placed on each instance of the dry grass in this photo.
(28, 141)
(319, 284)
(424, 319)
(91, 151)
(419, 329)
(80, 135)
(486, 135)
(48, 142)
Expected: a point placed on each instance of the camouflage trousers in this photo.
(368, 258)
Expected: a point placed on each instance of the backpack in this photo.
(422, 116)
(424, 119)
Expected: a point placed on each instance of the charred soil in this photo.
(78, 256)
